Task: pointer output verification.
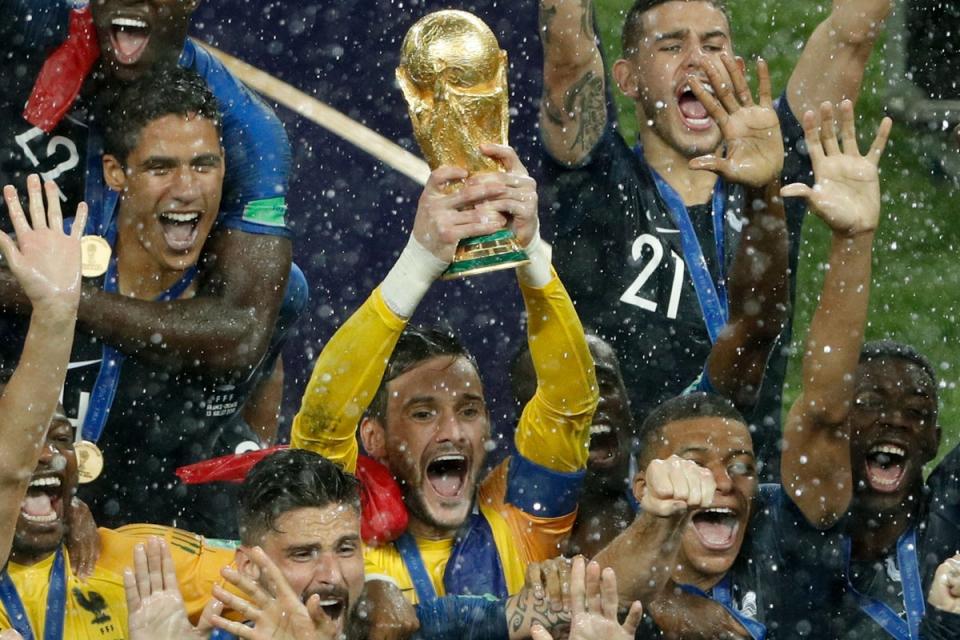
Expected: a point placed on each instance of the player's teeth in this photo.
(181, 217)
(129, 22)
(599, 429)
(50, 517)
(446, 458)
(45, 482)
(889, 448)
(328, 603)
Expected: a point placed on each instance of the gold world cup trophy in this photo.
(454, 77)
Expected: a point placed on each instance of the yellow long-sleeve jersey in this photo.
(97, 609)
(529, 501)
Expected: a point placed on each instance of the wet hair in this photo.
(169, 90)
(415, 346)
(287, 480)
(633, 25)
(880, 349)
(686, 407)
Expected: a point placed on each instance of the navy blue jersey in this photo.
(256, 145)
(619, 254)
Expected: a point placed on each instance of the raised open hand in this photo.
(594, 605)
(43, 258)
(155, 605)
(276, 611)
(847, 191)
(751, 131)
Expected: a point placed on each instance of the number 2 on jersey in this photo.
(632, 294)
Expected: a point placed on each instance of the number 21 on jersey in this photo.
(632, 294)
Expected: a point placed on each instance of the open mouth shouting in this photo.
(716, 527)
(42, 507)
(180, 229)
(604, 446)
(447, 475)
(692, 111)
(129, 36)
(885, 464)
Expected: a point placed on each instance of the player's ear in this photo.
(113, 173)
(374, 438)
(625, 75)
(245, 564)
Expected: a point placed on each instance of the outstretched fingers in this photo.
(828, 134)
(714, 109)
(763, 77)
(740, 87)
(15, 210)
(38, 217)
(880, 141)
(811, 135)
(722, 86)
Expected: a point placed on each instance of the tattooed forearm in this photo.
(585, 105)
(523, 612)
(547, 14)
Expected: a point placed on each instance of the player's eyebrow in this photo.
(672, 35)
(716, 33)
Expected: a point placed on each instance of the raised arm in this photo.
(643, 556)
(758, 282)
(573, 110)
(47, 264)
(815, 465)
(830, 69)
(348, 371)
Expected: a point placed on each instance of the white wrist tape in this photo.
(410, 278)
(537, 273)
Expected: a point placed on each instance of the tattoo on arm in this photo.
(547, 14)
(525, 616)
(585, 101)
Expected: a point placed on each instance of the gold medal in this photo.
(89, 461)
(94, 256)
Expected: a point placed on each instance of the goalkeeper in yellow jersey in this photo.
(418, 401)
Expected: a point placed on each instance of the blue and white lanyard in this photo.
(712, 297)
(722, 594)
(102, 203)
(56, 602)
(913, 599)
(410, 554)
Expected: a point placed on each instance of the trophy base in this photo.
(483, 254)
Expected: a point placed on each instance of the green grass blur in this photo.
(916, 284)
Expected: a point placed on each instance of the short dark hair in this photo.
(699, 404)
(633, 25)
(169, 90)
(415, 346)
(880, 349)
(286, 480)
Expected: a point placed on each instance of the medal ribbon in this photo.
(103, 202)
(473, 568)
(913, 599)
(56, 602)
(712, 297)
(722, 594)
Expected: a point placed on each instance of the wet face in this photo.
(136, 35)
(43, 524)
(437, 425)
(610, 432)
(677, 37)
(318, 550)
(713, 536)
(893, 426)
(170, 191)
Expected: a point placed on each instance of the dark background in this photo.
(350, 213)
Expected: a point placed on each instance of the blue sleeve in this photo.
(540, 491)
(257, 150)
(462, 618)
(39, 24)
